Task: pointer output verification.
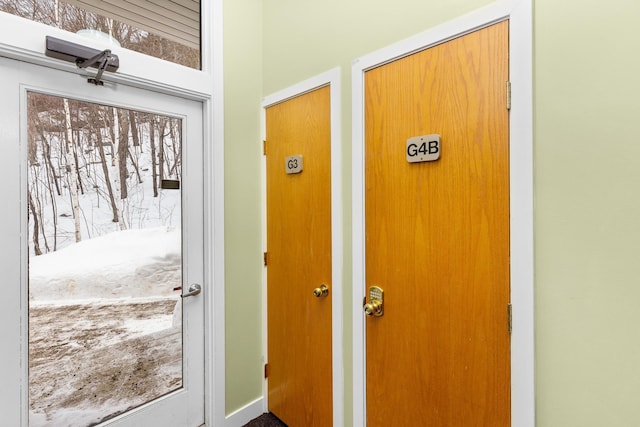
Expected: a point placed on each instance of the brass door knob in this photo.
(374, 308)
(321, 291)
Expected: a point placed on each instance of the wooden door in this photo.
(437, 236)
(299, 259)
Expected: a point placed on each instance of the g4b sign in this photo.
(424, 148)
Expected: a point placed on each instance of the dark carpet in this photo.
(266, 420)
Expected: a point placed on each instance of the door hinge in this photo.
(264, 258)
(264, 147)
(509, 318)
(508, 95)
(266, 370)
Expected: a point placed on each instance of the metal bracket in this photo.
(101, 59)
(83, 57)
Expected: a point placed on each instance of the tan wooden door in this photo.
(437, 236)
(299, 259)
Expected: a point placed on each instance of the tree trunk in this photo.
(36, 194)
(133, 127)
(57, 13)
(47, 158)
(36, 227)
(177, 149)
(134, 163)
(54, 215)
(123, 149)
(107, 178)
(50, 173)
(115, 132)
(71, 171)
(154, 167)
(133, 124)
(161, 135)
(75, 158)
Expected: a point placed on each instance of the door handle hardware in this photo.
(321, 291)
(375, 306)
(194, 290)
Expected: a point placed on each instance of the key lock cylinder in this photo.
(375, 306)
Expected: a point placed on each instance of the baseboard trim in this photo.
(245, 414)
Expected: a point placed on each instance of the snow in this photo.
(122, 264)
(108, 309)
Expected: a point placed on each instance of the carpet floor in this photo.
(266, 420)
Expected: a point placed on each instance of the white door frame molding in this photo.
(519, 13)
(24, 78)
(332, 79)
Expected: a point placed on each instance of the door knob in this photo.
(194, 290)
(321, 291)
(375, 306)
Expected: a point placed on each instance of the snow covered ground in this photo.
(105, 331)
(122, 264)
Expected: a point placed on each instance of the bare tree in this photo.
(71, 171)
(136, 168)
(51, 176)
(103, 161)
(36, 226)
(77, 141)
(115, 134)
(161, 133)
(176, 138)
(122, 152)
(134, 128)
(154, 167)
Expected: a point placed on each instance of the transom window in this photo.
(168, 29)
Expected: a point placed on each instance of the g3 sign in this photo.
(293, 164)
(424, 148)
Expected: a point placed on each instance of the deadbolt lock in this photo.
(374, 307)
(321, 291)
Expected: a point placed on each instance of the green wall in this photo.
(587, 182)
(243, 249)
(587, 228)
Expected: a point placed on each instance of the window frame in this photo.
(24, 39)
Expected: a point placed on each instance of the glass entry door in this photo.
(111, 266)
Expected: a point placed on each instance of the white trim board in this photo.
(245, 414)
(331, 78)
(215, 344)
(519, 13)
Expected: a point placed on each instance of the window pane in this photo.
(168, 30)
(105, 260)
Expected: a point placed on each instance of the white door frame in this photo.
(24, 78)
(519, 13)
(23, 40)
(331, 78)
